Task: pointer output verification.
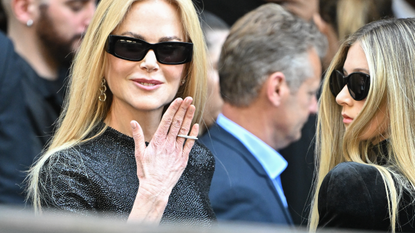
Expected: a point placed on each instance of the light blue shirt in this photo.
(272, 162)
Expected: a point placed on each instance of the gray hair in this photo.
(266, 40)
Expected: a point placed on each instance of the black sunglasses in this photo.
(358, 84)
(133, 49)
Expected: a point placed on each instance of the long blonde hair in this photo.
(82, 109)
(389, 46)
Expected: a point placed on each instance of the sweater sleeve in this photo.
(353, 196)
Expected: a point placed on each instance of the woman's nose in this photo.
(344, 97)
(149, 62)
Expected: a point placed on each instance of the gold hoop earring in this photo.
(103, 88)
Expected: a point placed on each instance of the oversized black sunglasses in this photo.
(133, 49)
(358, 84)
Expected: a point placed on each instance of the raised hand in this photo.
(160, 165)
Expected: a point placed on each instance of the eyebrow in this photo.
(357, 70)
(83, 1)
(162, 39)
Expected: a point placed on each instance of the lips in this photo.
(147, 84)
(346, 119)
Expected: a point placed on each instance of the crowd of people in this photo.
(297, 113)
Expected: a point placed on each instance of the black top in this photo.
(29, 106)
(353, 196)
(100, 175)
(15, 132)
(43, 101)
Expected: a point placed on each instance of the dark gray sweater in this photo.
(100, 176)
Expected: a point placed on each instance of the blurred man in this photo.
(215, 31)
(45, 34)
(269, 74)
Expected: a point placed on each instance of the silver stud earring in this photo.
(183, 81)
(103, 88)
(29, 23)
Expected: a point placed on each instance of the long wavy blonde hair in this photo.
(82, 109)
(389, 46)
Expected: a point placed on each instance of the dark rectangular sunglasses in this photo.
(358, 84)
(133, 49)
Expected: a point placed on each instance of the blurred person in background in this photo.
(340, 18)
(269, 74)
(3, 22)
(231, 10)
(45, 35)
(15, 128)
(403, 8)
(215, 31)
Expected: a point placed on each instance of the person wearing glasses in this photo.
(365, 136)
(126, 142)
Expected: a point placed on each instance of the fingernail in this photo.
(133, 125)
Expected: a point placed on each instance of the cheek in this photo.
(173, 73)
(116, 70)
(378, 126)
(62, 19)
(358, 105)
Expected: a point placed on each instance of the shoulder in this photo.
(69, 159)
(353, 174)
(200, 147)
(352, 195)
(211, 136)
(7, 45)
(221, 142)
(200, 154)
(348, 175)
(9, 70)
(350, 170)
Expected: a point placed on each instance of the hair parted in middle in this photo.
(90, 63)
(266, 40)
(389, 46)
(82, 109)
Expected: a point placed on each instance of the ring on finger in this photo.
(188, 137)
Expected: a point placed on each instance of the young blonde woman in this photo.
(366, 132)
(125, 143)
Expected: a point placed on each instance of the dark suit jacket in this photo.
(241, 189)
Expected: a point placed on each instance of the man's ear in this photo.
(24, 11)
(276, 88)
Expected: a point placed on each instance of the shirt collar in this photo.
(272, 162)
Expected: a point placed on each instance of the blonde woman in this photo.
(125, 143)
(366, 132)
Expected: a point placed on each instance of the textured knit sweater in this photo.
(100, 176)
